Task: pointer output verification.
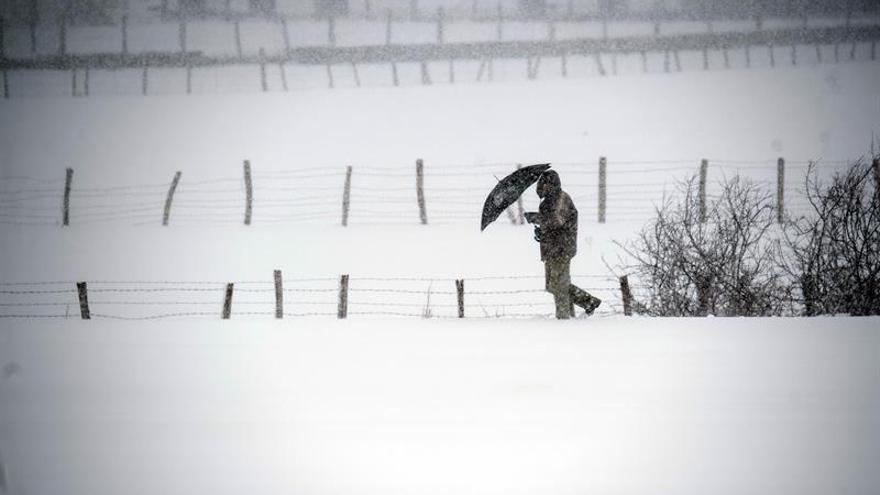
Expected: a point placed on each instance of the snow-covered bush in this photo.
(832, 254)
(721, 260)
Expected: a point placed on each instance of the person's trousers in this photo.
(557, 278)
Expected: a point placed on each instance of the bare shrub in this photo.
(833, 253)
(721, 261)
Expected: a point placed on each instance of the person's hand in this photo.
(538, 233)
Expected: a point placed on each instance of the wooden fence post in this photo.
(780, 190)
(331, 30)
(726, 57)
(677, 60)
(279, 295)
(875, 165)
(644, 56)
(283, 72)
(62, 35)
(357, 77)
(666, 60)
(189, 73)
(237, 33)
(704, 290)
(2, 38)
(394, 78)
(262, 59)
(748, 55)
(564, 65)
(125, 34)
(166, 215)
(73, 81)
(793, 54)
(145, 79)
(227, 302)
(451, 71)
(705, 57)
(772, 55)
(440, 16)
(602, 197)
(65, 204)
(388, 27)
(520, 211)
(285, 35)
(704, 170)
(626, 295)
(249, 193)
(601, 68)
(83, 291)
(32, 26)
(181, 33)
(499, 34)
(852, 51)
(86, 74)
(342, 307)
(420, 190)
(346, 196)
(426, 75)
(459, 289)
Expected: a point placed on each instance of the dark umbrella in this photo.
(508, 190)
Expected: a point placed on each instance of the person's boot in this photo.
(584, 299)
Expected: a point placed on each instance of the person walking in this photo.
(556, 231)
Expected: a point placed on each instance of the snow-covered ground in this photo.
(624, 406)
(386, 405)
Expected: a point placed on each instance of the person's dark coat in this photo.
(558, 219)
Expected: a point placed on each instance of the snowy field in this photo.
(383, 405)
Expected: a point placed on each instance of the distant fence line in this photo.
(306, 195)
(485, 52)
(281, 297)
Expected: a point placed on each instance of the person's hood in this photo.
(549, 184)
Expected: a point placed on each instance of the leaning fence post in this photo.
(249, 193)
(65, 205)
(83, 292)
(420, 190)
(279, 295)
(704, 169)
(227, 302)
(626, 295)
(459, 289)
(167, 213)
(602, 198)
(342, 309)
(346, 196)
(780, 190)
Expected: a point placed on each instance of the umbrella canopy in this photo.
(508, 190)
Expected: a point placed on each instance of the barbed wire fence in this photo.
(493, 297)
(604, 191)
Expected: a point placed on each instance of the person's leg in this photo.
(559, 281)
